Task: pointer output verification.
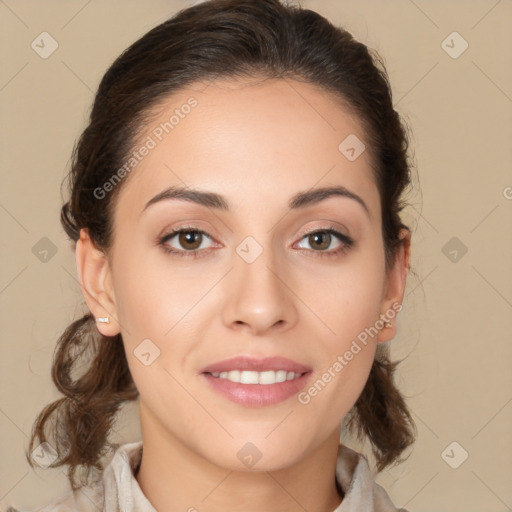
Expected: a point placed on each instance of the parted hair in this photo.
(215, 39)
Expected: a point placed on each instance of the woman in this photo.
(234, 204)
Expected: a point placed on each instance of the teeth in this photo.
(267, 377)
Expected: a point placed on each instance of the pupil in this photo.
(187, 238)
(320, 235)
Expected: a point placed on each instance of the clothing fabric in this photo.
(119, 491)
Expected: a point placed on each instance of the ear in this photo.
(94, 275)
(395, 287)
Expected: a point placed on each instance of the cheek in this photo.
(153, 296)
(335, 388)
(155, 307)
(166, 402)
(346, 299)
(349, 304)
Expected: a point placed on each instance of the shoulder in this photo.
(361, 492)
(117, 485)
(88, 499)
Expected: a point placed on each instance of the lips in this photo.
(256, 365)
(256, 382)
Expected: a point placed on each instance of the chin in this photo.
(255, 453)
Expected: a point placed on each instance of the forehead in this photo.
(246, 138)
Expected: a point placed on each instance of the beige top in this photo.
(119, 491)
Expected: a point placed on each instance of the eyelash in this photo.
(347, 242)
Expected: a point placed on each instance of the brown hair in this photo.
(217, 38)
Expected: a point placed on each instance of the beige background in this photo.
(456, 322)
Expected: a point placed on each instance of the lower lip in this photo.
(257, 395)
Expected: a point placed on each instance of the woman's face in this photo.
(249, 278)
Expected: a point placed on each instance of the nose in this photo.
(259, 296)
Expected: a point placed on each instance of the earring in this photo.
(103, 320)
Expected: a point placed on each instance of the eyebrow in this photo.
(214, 200)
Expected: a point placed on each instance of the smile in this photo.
(251, 377)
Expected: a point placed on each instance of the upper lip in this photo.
(248, 363)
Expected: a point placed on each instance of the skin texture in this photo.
(257, 143)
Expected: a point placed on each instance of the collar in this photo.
(122, 493)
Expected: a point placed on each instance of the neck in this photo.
(173, 477)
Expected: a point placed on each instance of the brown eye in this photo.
(184, 242)
(319, 240)
(190, 239)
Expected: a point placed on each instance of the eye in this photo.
(322, 239)
(189, 240)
